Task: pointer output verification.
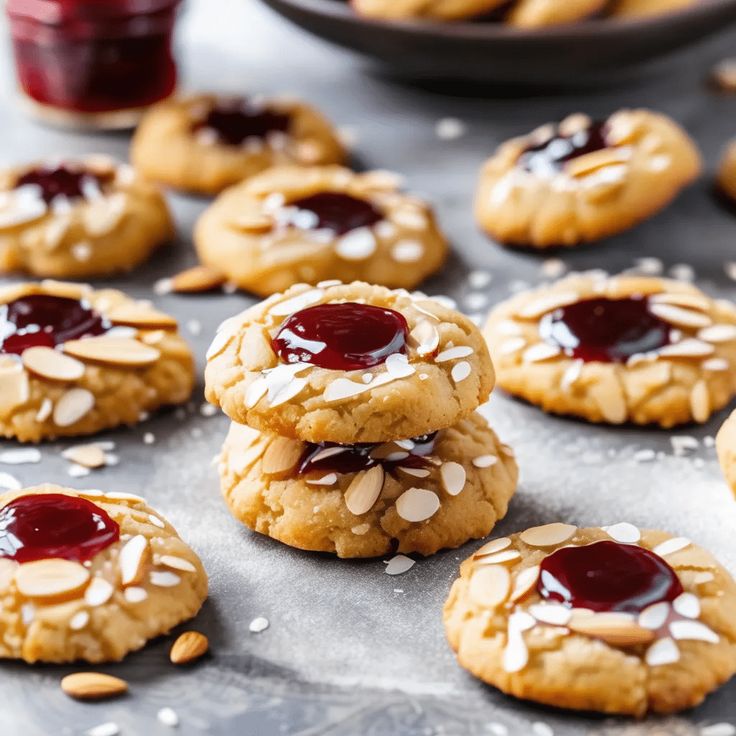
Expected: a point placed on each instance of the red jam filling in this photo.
(605, 330)
(42, 319)
(336, 211)
(345, 337)
(89, 56)
(607, 576)
(42, 526)
(63, 181)
(234, 121)
(329, 457)
(550, 156)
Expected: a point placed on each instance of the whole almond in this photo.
(189, 646)
(93, 686)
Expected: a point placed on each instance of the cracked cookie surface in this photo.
(204, 143)
(294, 225)
(80, 218)
(75, 360)
(118, 577)
(423, 367)
(617, 349)
(582, 180)
(417, 495)
(658, 633)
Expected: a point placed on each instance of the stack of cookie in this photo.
(355, 425)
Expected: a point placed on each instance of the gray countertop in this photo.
(351, 650)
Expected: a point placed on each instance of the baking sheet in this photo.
(351, 650)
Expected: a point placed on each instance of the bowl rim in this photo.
(342, 11)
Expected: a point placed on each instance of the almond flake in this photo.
(21, 456)
(588, 163)
(540, 352)
(687, 605)
(258, 624)
(45, 410)
(364, 490)
(253, 223)
(93, 685)
(671, 546)
(14, 387)
(135, 594)
(612, 628)
(460, 351)
(296, 303)
(718, 333)
(397, 366)
(415, 472)
(490, 548)
(693, 631)
(134, 556)
(141, 316)
(664, 651)
(113, 350)
(361, 529)
(524, 583)
(654, 617)
(623, 532)
(703, 577)
(79, 620)
(99, 591)
(357, 245)
(516, 654)
(88, 456)
(700, 402)
(197, 279)
(715, 364)
(73, 406)
(326, 480)
(9, 482)
(417, 504)
(281, 456)
(548, 535)
(188, 646)
(110, 728)
(550, 613)
(691, 301)
(398, 565)
(687, 348)
(426, 337)
(498, 558)
(50, 578)
(168, 717)
(460, 371)
(489, 586)
(548, 303)
(680, 317)
(453, 477)
(484, 461)
(718, 729)
(164, 579)
(49, 363)
(407, 251)
(512, 345)
(177, 563)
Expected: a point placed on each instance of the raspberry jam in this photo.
(42, 319)
(605, 330)
(335, 211)
(344, 337)
(91, 57)
(42, 526)
(328, 457)
(64, 180)
(234, 121)
(607, 576)
(550, 156)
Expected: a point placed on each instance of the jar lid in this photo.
(56, 12)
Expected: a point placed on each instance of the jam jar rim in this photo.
(60, 12)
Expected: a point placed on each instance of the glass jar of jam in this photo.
(93, 63)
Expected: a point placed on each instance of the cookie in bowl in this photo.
(646, 8)
(79, 218)
(541, 13)
(294, 225)
(617, 349)
(91, 576)
(364, 500)
(427, 9)
(205, 143)
(75, 361)
(582, 180)
(348, 363)
(614, 619)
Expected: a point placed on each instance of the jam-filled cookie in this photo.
(428, 9)
(726, 447)
(613, 619)
(363, 500)
(295, 225)
(582, 180)
(617, 349)
(641, 8)
(74, 360)
(79, 218)
(205, 143)
(538, 13)
(348, 363)
(86, 575)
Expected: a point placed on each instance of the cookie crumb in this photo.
(644, 456)
(21, 456)
(168, 717)
(104, 729)
(258, 624)
(450, 129)
(399, 564)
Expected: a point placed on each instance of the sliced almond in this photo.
(253, 223)
(98, 592)
(141, 316)
(134, 556)
(489, 586)
(177, 563)
(617, 630)
(608, 394)
(49, 363)
(72, 406)
(490, 548)
(547, 303)
(93, 686)
(189, 646)
(540, 352)
(417, 504)
(121, 351)
(281, 456)
(499, 558)
(700, 402)
(453, 477)
(14, 387)
(688, 348)
(574, 123)
(51, 578)
(65, 288)
(548, 535)
(364, 490)
(590, 162)
(679, 316)
(718, 333)
(690, 301)
(197, 279)
(426, 337)
(524, 583)
(88, 456)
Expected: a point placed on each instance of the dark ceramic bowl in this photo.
(495, 53)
